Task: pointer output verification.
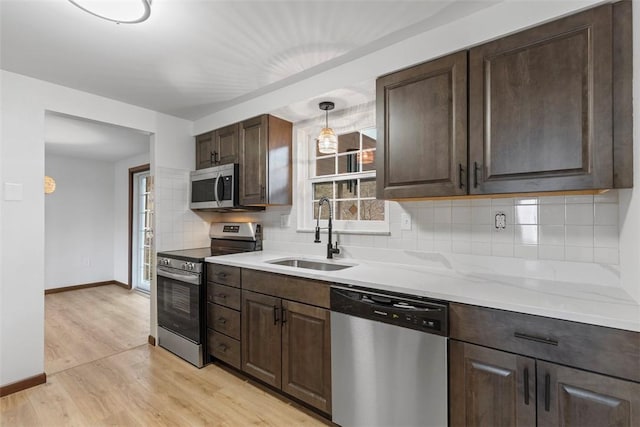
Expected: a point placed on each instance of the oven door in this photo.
(179, 302)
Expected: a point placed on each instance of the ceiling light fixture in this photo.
(327, 140)
(118, 11)
(49, 185)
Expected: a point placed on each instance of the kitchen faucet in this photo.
(330, 249)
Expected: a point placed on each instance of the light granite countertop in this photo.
(588, 303)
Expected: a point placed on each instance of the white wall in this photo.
(121, 215)
(23, 104)
(79, 222)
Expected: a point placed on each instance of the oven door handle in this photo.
(217, 196)
(193, 279)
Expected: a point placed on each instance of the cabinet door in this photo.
(490, 388)
(204, 150)
(226, 144)
(422, 130)
(306, 354)
(261, 337)
(253, 161)
(574, 398)
(540, 108)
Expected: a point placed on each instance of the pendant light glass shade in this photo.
(49, 185)
(327, 140)
(118, 11)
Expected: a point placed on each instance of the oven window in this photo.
(179, 307)
(202, 191)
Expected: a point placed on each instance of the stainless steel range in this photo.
(181, 279)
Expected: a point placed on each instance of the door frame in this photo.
(132, 171)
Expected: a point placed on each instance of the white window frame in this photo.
(352, 120)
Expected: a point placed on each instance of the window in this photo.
(348, 180)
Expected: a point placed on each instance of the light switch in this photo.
(405, 221)
(12, 192)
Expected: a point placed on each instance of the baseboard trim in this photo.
(84, 286)
(24, 384)
(152, 340)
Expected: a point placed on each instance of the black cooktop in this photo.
(193, 255)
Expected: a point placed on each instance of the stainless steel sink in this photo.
(310, 264)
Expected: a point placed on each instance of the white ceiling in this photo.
(80, 138)
(192, 58)
(195, 57)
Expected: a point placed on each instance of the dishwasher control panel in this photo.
(396, 309)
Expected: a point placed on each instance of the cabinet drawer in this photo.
(307, 291)
(223, 274)
(223, 295)
(224, 320)
(224, 348)
(596, 348)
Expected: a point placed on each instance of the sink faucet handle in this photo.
(317, 239)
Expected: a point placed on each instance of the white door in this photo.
(142, 232)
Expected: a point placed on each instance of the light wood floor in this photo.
(139, 386)
(88, 324)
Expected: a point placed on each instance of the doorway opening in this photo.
(140, 228)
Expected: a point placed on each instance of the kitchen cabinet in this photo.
(265, 161)
(515, 369)
(218, 147)
(223, 313)
(548, 110)
(422, 130)
(285, 343)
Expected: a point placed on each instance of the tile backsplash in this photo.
(559, 228)
(581, 228)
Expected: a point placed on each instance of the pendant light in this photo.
(327, 140)
(118, 11)
(49, 185)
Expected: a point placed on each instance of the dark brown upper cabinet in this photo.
(549, 109)
(217, 147)
(265, 161)
(422, 129)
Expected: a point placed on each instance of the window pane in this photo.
(325, 166)
(368, 187)
(348, 163)
(347, 189)
(372, 210)
(325, 211)
(368, 159)
(347, 210)
(323, 189)
(368, 141)
(349, 142)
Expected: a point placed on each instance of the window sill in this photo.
(355, 232)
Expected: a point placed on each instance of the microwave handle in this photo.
(216, 188)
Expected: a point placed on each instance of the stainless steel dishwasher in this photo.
(388, 359)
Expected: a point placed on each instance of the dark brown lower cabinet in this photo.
(496, 388)
(288, 345)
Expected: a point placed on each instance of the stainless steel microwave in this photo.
(214, 188)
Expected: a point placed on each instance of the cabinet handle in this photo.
(275, 315)
(547, 392)
(222, 320)
(223, 296)
(284, 315)
(223, 347)
(215, 160)
(262, 192)
(221, 275)
(475, 174)
(460, 172)
(526, 386)
(542, 340)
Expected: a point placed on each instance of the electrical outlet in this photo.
(500, 221)
(405, 221)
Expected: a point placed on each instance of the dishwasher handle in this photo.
(428, 316)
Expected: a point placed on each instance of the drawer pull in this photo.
(223, 348)
(223, 296)
(541, 340)
(547, 392)
(526, 386)
(222, 274)
(222, 320)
